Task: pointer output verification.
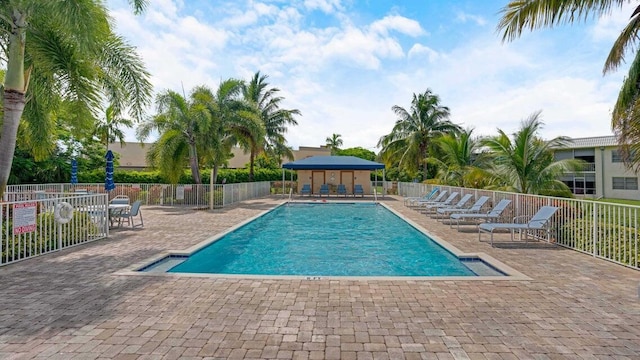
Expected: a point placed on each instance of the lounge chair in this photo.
(493, 214)
(358, 190)
(428, 206)
(432, 209)
(306, 189)
(324, 189)
(443, 213)
(342, 190)
(426, 197)
(539, 221)
(437, 199)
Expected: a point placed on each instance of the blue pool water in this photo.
(326, 240)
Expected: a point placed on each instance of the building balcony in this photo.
(587, 167)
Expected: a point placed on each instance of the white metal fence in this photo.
(192, 195)
(604, 230)
(28, 224)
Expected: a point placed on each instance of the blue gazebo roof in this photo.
(333, 163)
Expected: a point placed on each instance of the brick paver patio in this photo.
(72, 305)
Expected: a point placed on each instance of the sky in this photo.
(345, 63)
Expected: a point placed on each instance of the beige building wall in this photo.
(132, 155)
(600, 169)
(240, 159)
(607, 170)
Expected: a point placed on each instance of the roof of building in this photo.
(333, 163)
(592, 142)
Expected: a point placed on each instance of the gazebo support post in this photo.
(384, 181)
(283, 182)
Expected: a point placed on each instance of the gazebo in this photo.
(334, 170)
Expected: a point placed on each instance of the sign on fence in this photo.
(24, 217)
(180, 193)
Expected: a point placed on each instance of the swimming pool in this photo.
(328, 239)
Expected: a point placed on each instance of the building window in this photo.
(625, 183)
(616, 157)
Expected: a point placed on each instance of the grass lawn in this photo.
(621, 201)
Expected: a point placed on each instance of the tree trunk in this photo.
(215, 174)
(15, 87)
(252, 159)
(13, 106)
(193, 162)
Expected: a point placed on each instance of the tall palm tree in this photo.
(62, 50)
(180, 122)
(109, 130)
(334, 142)
(460, 161)
(409, 141)
(232, 120)
(519, 15)
(526, 164)
(275, 120)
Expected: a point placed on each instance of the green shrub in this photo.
(231, 176)
(561, 193)
(616, 242)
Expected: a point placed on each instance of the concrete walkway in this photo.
(72, 305)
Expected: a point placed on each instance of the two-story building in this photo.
(604, 174)
(132, 155)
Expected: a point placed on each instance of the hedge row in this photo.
(230, 176)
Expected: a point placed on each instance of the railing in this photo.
(191, 195)
(588, 167)
(29, 227)
(604, 230)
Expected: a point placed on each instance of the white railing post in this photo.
(595, 228)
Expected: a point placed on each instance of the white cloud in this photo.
(238, 18)
(609, 26)
(345, 76)
(397, 23)
(419, 51)
(363, 49)
(326, 6)
(463, 18)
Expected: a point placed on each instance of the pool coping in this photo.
(511, 274)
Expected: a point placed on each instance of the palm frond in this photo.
(521, 15)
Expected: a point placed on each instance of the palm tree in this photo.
(108, 129)
(334, 142)
(180, 122)
(409, 141)
(58, 51)
(274, 119)
(519, 15)
(526, 164)
(460, 161)
(232, 120)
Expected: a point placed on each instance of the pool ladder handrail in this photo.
(375, 195)
(290, 194)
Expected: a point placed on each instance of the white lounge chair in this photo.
(474, 209)
(493, 214)
(459, 205)
(437, 199)
(539, 221)
(427, 207)
(426, 197)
